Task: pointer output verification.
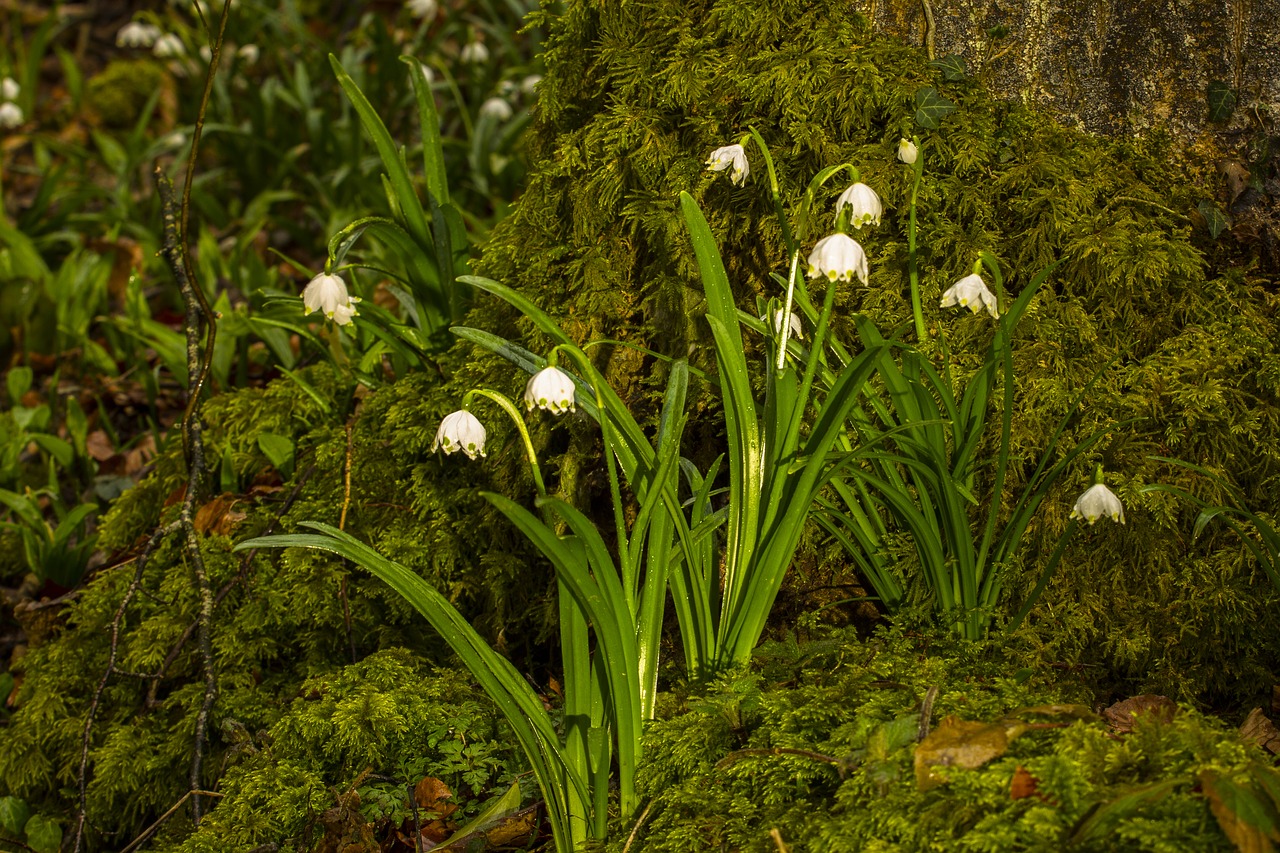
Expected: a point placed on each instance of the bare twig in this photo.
(777, 839)
(146, 833)
(926, 712)
(776, 750)
(245, 562)
(173, 250)
(117, 621)
(636, 829)
(342, 525)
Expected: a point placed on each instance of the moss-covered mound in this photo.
(819, 745)
(635, 98)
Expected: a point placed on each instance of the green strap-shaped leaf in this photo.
(518, 703)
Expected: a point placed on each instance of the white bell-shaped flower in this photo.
(169, 45)
(423, 8)
(838, 257)
(1096, 502)
(474, 53)
(9, 89)
(460, 431)
(137, 34)
(907, 151)
(343, 313)
(733, 157)
(325, 293)
(249, 54)
(529, 84)
(971, 292)
(550, 389)
(865, 204)
(10, 116)
(794, 329)
(495, 108)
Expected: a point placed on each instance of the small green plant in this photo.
(33, 831)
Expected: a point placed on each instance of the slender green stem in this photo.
(913, 269)
(510, 408)
(784, 320)
(775, 194)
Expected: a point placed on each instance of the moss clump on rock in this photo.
(818, 741)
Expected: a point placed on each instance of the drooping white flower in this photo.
(10, 116)
(205, 53)
(838, 258)
(1096, 502)
(971, 292)
(550, 389)
(248, 53)
(137, 34)
(423, 8)
(460, 431)
(732, 157)
(907, 151)
(865, 203)
(495, 108)
(177, 139)
(428, 73)
(530, 83)
(169, 45)
(343, 312)
(9, 89)
(794, 329)
(474, 53)
(325, 293)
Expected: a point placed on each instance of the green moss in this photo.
(119, 92)
(388, 715)
(720, 775)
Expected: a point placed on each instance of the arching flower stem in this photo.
(913, 270)
(514, 413)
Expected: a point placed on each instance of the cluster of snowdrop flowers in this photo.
(496, 109)
(138, 34)
(169, 46)
(425, 9)
(328, 294)
(10, 113)
(474, 53)
(550, 388)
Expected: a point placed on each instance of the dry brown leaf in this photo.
(1120, 716)
(219, 516)
(1023, 785)
(962, 743)
(1259, 729)
(1237, 179)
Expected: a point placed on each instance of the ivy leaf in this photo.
(1213, 218)
(1222, 101)
(952, 66)
(931, 108)
(43, 834)
(13, 816)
